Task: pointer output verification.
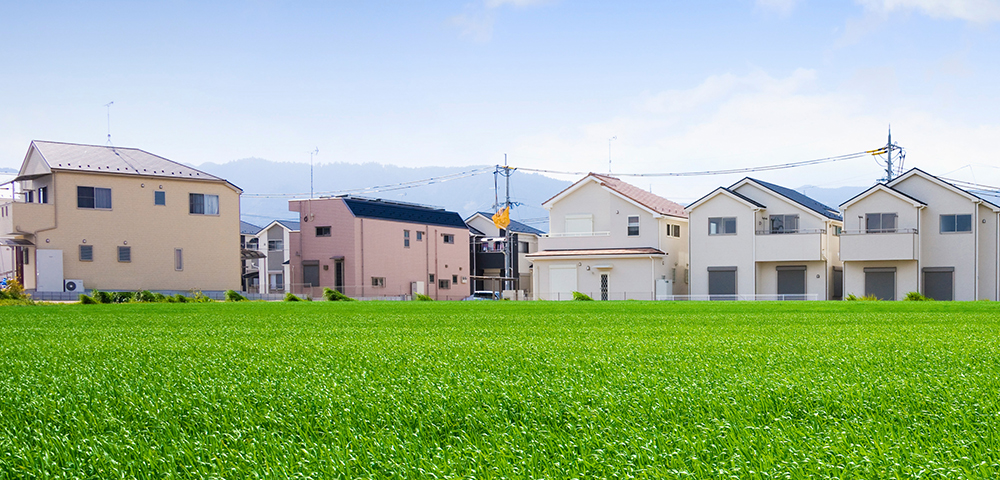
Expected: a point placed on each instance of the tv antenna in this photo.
(311, 154)
(108, 105)
(609, 152)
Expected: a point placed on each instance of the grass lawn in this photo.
(501, 389)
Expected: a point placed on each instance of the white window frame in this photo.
(720, 226)
(208, 206)
(631, 225)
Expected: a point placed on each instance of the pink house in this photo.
(368, 248)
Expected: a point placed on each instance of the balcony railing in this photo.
(791, 232)
(876, 231)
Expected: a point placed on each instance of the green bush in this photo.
(144, 296)
(198, 297)
(14, 291)
(87, 299)
(100, 296)
(335, 296)
(916, 297)
(178, 298)
(234, 296)
(289, 297)
(122, 297)
(422, 298)
(159, 297)
(582, 297)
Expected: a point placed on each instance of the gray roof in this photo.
(515, 226)
(800, 199)
(247, 228)
(117, 160)
(289, 224)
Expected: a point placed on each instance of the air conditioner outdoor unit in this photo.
(73, 286)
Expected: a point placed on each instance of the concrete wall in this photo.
(210, 243)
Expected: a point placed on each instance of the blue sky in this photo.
(683, 85)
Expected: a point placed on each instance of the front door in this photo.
(49, 265)
(604, 286)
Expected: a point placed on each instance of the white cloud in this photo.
(736, 121)
(477, 20)
(970, 10)
(783, 7)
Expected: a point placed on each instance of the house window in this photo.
(676, 231)
(444, 283)
(86, 253)
(784, 223)
(448, 238)
(454, 279)
(204, 204)
(124, 254)
(420, 236)
(579, 224)
(322, 231)
(43, 194)
(956, 223)
(880, 222)
(406, 238)
(178, 259)
(722, 226)
(378, 282)
(93, 197)
(633, 225)
(522, 247)
(837, 230)
(29, 196)
(273, 245)
(430, 277)
(253, 243)
(159, 197)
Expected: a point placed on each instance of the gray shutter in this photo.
(722, 281)
(939, 283)
(791, 280)
(881, 282)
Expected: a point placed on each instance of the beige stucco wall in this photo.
(907, 279)
(210, 243)
(631, 278)
(722, 250)
(610, 214)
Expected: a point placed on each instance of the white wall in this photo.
(722, 250)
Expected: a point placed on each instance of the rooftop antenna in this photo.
(311, 154)
(108, 105)
(609, 152)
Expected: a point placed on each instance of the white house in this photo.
(758, 240)
(612, 241)
(270, 271)
(919, 233)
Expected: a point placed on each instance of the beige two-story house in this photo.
(758, 240)
(113, 218)
(611, 241)
(919, 233)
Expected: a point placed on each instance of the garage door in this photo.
(881, 282)
(792, 281)
(722, 283)
(562, 282)
(939, 283)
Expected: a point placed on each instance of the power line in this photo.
(379, 188)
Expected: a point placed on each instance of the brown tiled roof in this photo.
(649, 200)
(597, 251)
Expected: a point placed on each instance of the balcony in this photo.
(796, 246)
(874, 245)
(18, 218)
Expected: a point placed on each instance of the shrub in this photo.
(582, 297)
(179, 299)
(916, 297)
(100, 297)
(335, 296)
(289, 297)
(122, 297)
(422, 298)
(159, 297)
(144, 296)
(87, 299)
(199, 297)
(14, 290)
(234, 296)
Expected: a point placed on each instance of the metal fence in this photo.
(652, 296)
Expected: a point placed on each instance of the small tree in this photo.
(582, 297)
(234, 296)
(335, 296)
(289, 297)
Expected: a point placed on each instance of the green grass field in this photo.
(501, 389)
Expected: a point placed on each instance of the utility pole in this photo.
(108, 105)
(609, 152)
(891, 170)
(311, 154)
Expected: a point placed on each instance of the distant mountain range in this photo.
(465, 195)
(7, 170)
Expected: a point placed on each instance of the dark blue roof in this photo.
(403, 212)
(800, 199)
(289, 224)
(516, 226)
(247, 228)
(731, 192)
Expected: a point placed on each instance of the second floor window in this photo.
(420, 236)
(253, 243)
(124, 254)
(448, 238)
(406, 238)
(784, 223)
(676, 231)
(204, 204)
(880, 222)
(159, 197)
(378, 281)
(273, 245)
(633, 225)
(322, 231)
(956, 223)
(93, 197)
(722, 226)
